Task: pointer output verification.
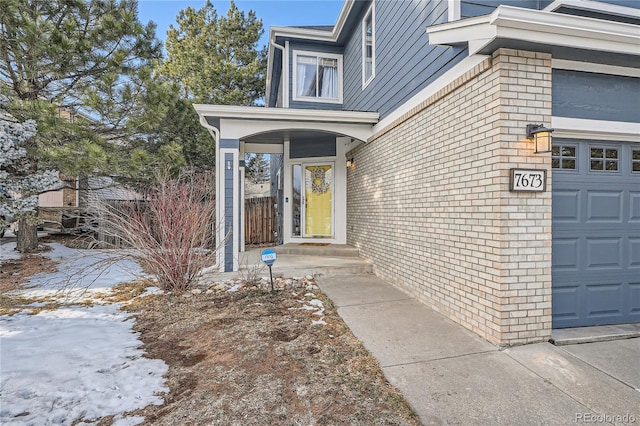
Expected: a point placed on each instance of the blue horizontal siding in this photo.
(405, 62)
(594, 96)
(313, 147)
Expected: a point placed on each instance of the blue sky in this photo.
(272, 12)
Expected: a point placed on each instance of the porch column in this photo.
(228, 203)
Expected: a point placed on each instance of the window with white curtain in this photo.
(317, 77)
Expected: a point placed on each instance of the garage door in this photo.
(596, 233)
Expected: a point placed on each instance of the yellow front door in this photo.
(318, 200)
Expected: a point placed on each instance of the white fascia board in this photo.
(460, 31)
(564, 64)
(577, 128)
(595, 6)
(536, 26)
(562, 24)
(304, 33)
(286, 114)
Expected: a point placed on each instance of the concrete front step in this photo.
(310, 249)
(289, 265)
(325, 271)
(292, 265)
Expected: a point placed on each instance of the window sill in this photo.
(317, 100)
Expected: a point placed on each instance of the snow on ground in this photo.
(75, 362)
(82, 274)
(8, 252)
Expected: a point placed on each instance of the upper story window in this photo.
(368, 47)
(317, 77)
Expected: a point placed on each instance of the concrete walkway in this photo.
(451, 376)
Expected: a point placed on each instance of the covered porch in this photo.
(308, 176)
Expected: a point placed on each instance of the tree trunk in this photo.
(27, 235)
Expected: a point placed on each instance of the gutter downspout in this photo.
(220, 235)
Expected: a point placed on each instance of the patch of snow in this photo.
(8, 252)
(304, 307)
(316, 302)
(86, 269)
(235, 288)
(74, 363)
(321, 321)
(151, 291)
(60, 252)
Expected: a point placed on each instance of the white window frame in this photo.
(371, 12)
(319, 55)
(454, 10)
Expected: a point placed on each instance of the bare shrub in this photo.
(171, 233)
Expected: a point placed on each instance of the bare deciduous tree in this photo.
(171, 232)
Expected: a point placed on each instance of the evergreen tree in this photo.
(211, 59)
(215, 59)
(20, 183)
(257, 168)
(79, 69)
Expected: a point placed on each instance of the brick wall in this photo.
(429, 205)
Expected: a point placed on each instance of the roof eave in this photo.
(544, 27)
(286, 114)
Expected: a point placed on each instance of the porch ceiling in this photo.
(279, 136)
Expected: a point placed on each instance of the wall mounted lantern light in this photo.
(541, 136)
(350, 163)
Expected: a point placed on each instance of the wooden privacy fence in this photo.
(259, 220)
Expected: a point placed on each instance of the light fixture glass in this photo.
(541, 136)
(350, 163)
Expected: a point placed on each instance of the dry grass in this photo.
(245, 358)
(252, 358)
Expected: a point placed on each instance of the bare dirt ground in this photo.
(250, 358)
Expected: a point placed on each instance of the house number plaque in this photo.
(528, 180)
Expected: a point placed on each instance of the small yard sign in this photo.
(269, 258)
(527, 180)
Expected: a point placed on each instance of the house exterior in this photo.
(404, 130)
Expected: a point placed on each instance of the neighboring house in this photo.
(430, 103)
(257, 190)
(60, 207)
(68, 207)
